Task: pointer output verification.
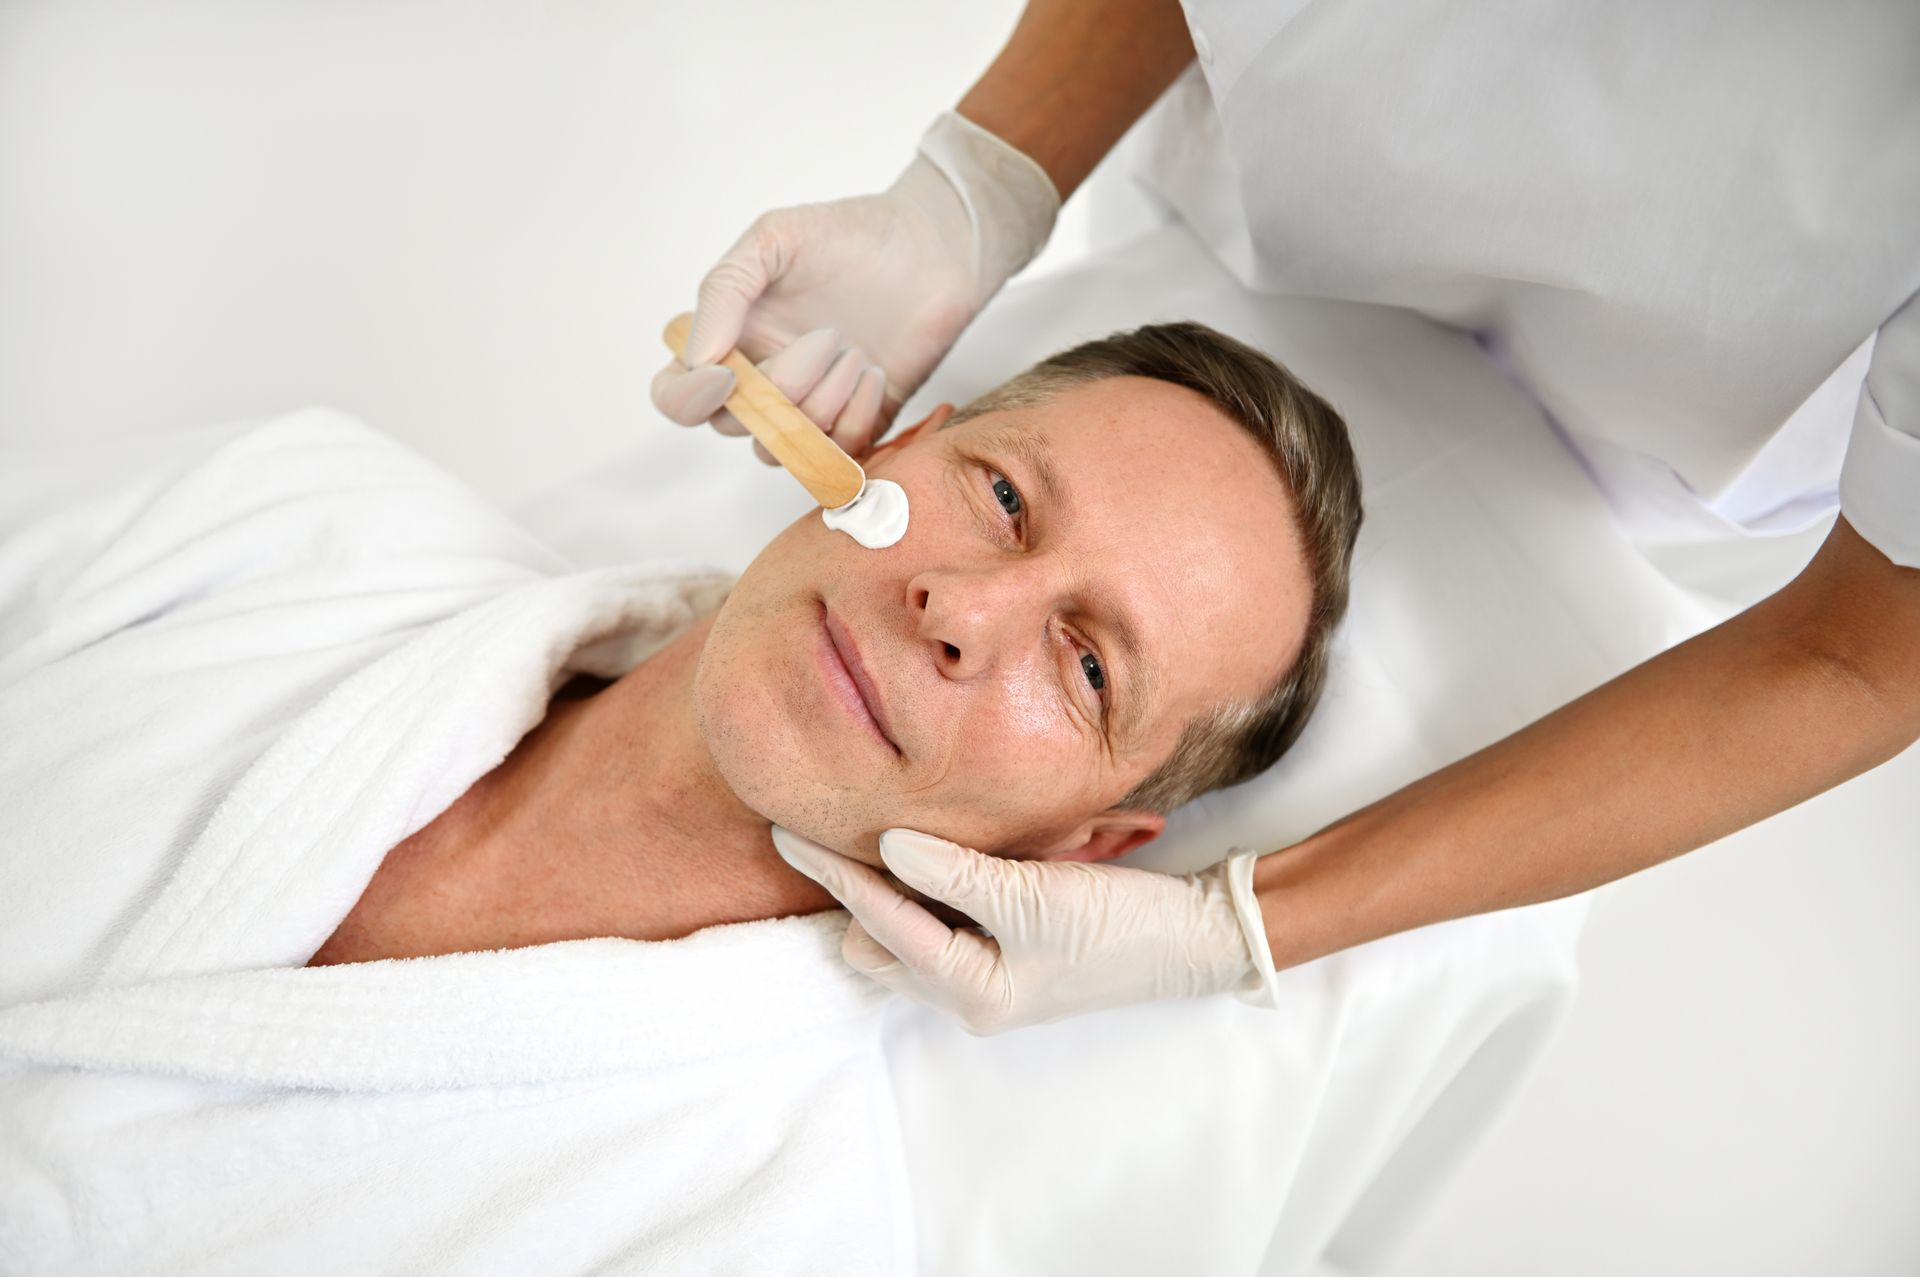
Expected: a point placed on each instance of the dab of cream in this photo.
(876, 518)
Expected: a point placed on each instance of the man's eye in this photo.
(1090, 666)
(1008, 496)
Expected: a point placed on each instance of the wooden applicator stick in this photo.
(829, 474)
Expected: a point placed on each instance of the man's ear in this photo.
(926, 425)
(1107, 836)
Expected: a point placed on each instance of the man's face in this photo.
(1078, 580)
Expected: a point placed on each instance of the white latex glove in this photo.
(895, 277)
(1066, 937)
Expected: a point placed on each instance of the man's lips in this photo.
(858, 690)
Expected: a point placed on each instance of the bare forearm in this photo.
(1074, 76)
(1805, 690)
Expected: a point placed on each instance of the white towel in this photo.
(228, 685)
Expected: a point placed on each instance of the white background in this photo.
(466, 224)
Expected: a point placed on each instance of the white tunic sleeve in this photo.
(1880, 482)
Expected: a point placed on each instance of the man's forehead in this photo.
(1115, 470)
(1131, 628)
(1093, 423)
(1159, 598)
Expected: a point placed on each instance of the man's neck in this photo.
(619, 792)
(608, 819)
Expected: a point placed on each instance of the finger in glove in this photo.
(898, 922)
(690, 398)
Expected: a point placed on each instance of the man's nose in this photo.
(977, 618)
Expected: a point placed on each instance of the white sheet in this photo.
(1489, 586)
(227, 688)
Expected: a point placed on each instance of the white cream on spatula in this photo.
(872, 512)
(877, 518)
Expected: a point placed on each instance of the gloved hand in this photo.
(892, 279)
(1066, 937)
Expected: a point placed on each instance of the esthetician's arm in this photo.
(1802, 691)
(1808, 688)
(1074, 77)
(849, 305)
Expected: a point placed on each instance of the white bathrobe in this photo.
(236, 668)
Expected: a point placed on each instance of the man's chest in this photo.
(447, 890)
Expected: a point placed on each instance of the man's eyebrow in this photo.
(1033, 450)
(1143, 680)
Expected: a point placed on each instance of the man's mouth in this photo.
(848, 679)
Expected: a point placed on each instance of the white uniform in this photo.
(1672, 221)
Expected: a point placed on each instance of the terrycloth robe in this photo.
(236, 668)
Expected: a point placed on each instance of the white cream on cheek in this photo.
(877, 518)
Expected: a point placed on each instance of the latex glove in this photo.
(1066, 937)
(895, 276)
(814, 372)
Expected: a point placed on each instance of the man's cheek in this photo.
(1029, 716)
